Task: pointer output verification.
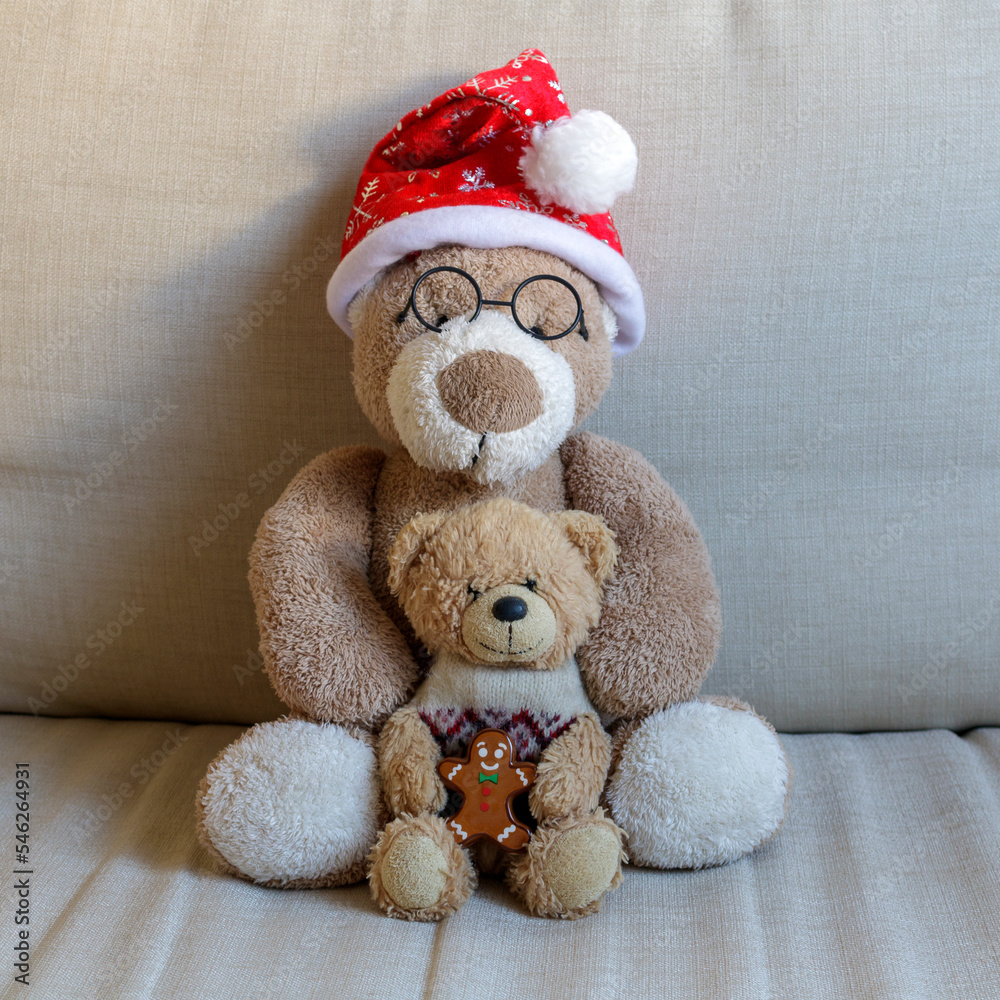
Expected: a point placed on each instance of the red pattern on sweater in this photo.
(454, 728)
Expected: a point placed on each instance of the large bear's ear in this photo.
(593, 538)
(408, 546)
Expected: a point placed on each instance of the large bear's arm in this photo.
(330, 650)
(660, 623)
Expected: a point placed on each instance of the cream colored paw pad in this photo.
(581, 865)
(414, 873)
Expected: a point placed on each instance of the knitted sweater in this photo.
(533, 707)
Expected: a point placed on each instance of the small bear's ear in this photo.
(593, 538)
(408, 546)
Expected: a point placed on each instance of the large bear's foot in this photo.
(417, 871)
(292, 804)
(701, 783)
(568, 866)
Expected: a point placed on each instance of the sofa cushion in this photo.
(883, 882)
(814, 226)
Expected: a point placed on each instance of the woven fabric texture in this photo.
(815, 226)
(882, 883)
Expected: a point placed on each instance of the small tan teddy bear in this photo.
(502, 595)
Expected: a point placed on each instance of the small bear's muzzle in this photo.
(509, 624)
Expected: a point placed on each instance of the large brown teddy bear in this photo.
(477, 375)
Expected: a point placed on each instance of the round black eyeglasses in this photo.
(534, 331)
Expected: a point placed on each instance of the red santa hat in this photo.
(497, 162)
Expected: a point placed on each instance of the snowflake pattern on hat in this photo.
(464, 148)
(497, 162)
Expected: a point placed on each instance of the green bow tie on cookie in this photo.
(487, 777)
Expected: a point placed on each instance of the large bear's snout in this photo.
(490, 391)
(484, 398)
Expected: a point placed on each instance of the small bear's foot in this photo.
(292, 804)
(701, 783)
(568, 867)
(417, 871)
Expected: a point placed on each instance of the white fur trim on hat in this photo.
(486, 227)
(582, 163)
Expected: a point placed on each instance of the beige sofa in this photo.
(815, 228)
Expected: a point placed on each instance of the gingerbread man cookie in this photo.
(489, 777)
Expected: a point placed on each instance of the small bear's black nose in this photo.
(510, 609)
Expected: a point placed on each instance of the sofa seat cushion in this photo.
(883, 883)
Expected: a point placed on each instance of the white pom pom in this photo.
(581, 163)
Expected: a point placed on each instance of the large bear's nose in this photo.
(490, 391)
(510, 609)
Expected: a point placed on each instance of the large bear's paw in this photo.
(292, 804)
(699, 784)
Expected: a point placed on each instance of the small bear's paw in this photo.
(568, 866)
(417, 871)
